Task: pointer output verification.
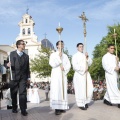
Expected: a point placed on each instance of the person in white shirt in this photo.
(35, 95)
(82, 80)
(58, 90)
(110, 64)
(18, 61)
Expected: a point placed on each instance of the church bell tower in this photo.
(27, 28)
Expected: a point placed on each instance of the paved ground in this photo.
(96, 111)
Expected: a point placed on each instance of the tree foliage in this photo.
(40, 64)
(71, 72)
(96, 69)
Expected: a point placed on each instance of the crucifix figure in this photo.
(84, 19)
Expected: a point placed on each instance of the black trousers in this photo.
(1, 94)
(19, 87)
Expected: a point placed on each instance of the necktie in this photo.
(20, 54)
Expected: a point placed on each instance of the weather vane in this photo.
(27, 10)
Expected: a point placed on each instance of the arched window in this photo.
(28, 30)
(23, 31)
(26, 20)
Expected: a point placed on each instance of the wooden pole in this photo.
(10, 68)
(59, 30)
(117, 61)
(84, 19)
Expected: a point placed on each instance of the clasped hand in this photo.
(62, 68)
(9, 64)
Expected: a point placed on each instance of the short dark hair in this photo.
(18, 42)
(79, 44)
(109, 45)
(58, 42)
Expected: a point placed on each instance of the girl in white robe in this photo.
(29, 94)
(35, 98)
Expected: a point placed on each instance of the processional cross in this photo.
(84, 19)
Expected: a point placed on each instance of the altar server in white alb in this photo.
(58, 90)
(110, 65)
(82, 80)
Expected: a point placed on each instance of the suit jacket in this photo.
(19, 70)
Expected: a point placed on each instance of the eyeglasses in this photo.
(22, 44)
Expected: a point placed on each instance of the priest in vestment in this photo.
(110, 65)
(58, 90)
(82, 80)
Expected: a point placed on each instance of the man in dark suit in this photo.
(19, 63)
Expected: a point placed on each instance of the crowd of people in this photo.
(99, 90)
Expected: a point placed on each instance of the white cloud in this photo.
(106, 11)
(97, 10)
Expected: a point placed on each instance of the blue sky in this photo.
(48, 13)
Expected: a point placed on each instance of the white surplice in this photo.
(82, 79)
(109, 63)
(58, 88)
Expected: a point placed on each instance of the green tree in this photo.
(71, 72)
(40, 64)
